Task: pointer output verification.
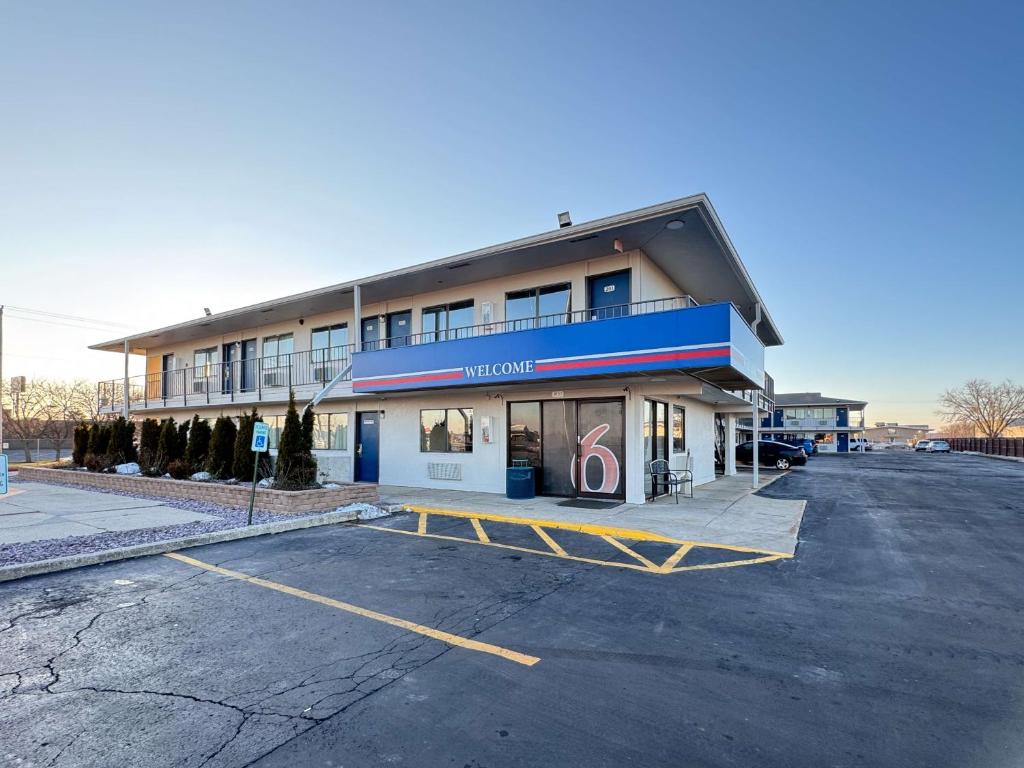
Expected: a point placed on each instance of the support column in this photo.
(730, 444)
(357, 318)
(756, 424)
(125, 409)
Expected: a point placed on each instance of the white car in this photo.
(859, 444)
(938, 446)
(922, 445)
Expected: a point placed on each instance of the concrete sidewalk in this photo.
(37, 511)
(726, 511)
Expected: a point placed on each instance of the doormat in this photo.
(589, 504)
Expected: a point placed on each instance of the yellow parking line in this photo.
(597, 530)
(548, 540)
(729, 564)
(619, 545)
(675, 557)
(422, 527)
(480, 532)
(445, 637)
(544, 552)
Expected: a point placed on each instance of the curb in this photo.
(53, 565)
(991, 456)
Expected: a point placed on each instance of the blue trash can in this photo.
(519, 483)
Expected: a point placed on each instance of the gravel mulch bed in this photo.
(44, 549)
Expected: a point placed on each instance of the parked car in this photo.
(810, 447)
(859, 444)
(938, 446)
(922, 445)
(778, 455)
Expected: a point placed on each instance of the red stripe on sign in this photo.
(652, 358)
(410, 379)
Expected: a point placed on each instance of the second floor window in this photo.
(203, 361)
(277, 350)
(448, 321)
(538, 307)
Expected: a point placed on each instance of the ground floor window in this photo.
(446, 430)
(678, 429)
(330, 431)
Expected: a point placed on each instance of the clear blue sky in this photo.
(867, 161)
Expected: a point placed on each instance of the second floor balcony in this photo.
(259, 379)
(672, 335)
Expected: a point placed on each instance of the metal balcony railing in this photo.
(242, 380)
(531, 323)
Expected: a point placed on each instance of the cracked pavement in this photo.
(893, 639)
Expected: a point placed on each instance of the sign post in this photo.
(3, 474)
(260, 444)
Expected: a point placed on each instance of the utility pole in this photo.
(1, 378)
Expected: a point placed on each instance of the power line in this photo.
(62, 316)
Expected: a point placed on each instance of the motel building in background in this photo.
(585, 352)
(830, 421)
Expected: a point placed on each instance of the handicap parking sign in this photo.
(260, 437)
(3, 474)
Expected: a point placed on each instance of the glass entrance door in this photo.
(577, 447)
(655, 444)
(602, 449)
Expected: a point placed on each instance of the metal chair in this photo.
(661, 473)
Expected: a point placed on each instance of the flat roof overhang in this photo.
(698, 257)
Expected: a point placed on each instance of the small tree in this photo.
(198, 447)
(80, 445)
(988, 407)
(167, 445)
(220, 463)
(182, 439)
(149, 443)
(296, 467)
(93, 442)
(121, 446)
(244, 457)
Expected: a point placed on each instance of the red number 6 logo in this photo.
(590, 449)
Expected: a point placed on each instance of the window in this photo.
(678, 429)
(328, 351)
(538, 307)
(331, 338)
(203, 361)
(446, 430)
(276, 350)
(447, 321)
(330, 431)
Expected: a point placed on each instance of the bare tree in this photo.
(24, 412)
(987, 407)
(66, 403)
(957, 429)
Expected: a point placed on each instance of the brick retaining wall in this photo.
(267, 500)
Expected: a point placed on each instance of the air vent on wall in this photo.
(437, 470)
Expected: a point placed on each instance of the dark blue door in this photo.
(367, 447)
(842, 417)
(227, 368)
(843, 442)
(248, 365)
(608, 295)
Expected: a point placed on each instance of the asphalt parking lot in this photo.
(893, 638)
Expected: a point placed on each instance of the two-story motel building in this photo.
(586, 352)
